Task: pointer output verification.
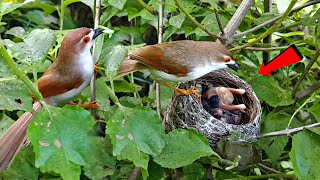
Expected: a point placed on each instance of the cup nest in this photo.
(186, 112)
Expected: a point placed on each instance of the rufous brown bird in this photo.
(179, 61)
(64, 80)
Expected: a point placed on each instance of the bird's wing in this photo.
(161, 57)
(50, 85)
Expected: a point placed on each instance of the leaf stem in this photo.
(147, 7)
(112, 95)
(18, 72)
(61, 14)
(265, 176)
(270, 30)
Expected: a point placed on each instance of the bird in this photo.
(65, 79)
(179, 61)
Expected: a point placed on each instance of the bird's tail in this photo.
(130, 66)
(14, 138)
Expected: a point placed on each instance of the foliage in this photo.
(67, 143)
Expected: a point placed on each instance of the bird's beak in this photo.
(97, 32)
(234, 66)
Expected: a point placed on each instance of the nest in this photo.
(186, 112)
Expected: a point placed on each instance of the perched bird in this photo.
(64, 80)
(179, 61)
(225, 97)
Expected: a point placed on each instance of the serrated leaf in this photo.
(114, 60)
(182, 148)
(22, 167)
(305, 155)
(268, 90)
(314, 109)
(177, 20)
(15, 95)
(117, 3)
(135, 133)
(63, 143)
(34, 48)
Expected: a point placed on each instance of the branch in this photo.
(219, 21)
(196, 22)
(147, 7)
(275, 19)
(135, 173)
(304, 73)
(236, 20)
(307, 92)
(287, 132)
(270, 30)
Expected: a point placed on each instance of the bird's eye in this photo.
(86, 39)
(227, 59)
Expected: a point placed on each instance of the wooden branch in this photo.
(287, 132)
(304, 73)
(270, 30)
(135, 174)
(193, 20)
(306, 92)
(310, 3)
(267, 40)
(236, 20)
(219, 21)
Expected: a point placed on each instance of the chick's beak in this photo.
(234, 66)
(97, 32)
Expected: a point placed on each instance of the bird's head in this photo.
(78, 41)
(223, 58)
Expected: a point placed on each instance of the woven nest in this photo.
(186, 112)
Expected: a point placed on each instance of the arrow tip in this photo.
(264, 71)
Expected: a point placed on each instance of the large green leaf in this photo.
(15, 95)
(182, 148)
(114, 60)
(315, 109)
(305, 155)
(117, 3)
(7, 7)
(65, 142)
(5, 123)
(177, 20)
(34, 48)
(135, 133)
(268, 90)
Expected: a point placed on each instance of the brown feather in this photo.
(130, 66)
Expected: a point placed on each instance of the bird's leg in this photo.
(90, 105)
(96, 69)
(184, 92)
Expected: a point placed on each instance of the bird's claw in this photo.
(96, 69)
(187, 92)
(90, 105)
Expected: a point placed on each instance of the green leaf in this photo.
(135, 133)
(305, 155)
(18, 32)
(7, 7)
(213, 3)
(34, 48)
(22, 167)
(177, 20)
(15, 95)
(182, 148)
(64, 142)
(211, 24)
(114, 60)
(38, 17)
(124, 86)
(314, 109)
(268, 90)
(5, 123)
(117, 3)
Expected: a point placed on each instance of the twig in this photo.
(270, 30)
(308, 91)
(135, 173)
(267, 40)
(265, 176)
(209, 173)
(219, 22)
(147, 7)
(274, 19)
(268, 168)
(93, 79)
(287, 131)
(160, 34)
(196, 22)
(305, 71)
(236, 20)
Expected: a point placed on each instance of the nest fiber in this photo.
(187, 112)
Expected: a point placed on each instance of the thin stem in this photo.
(266, 176)
(192, 19)
(270, 30)
(305, 71)
(61, 14)
(287, 132)
(271, 48)
(219, 21)
(147, 7)
(112, 95)
(296, 111)
(307, 91)
(20, 74)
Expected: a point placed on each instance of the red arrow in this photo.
(286, 58)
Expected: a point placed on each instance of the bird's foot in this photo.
(96, 69)
(90, 105)
(187, 92)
